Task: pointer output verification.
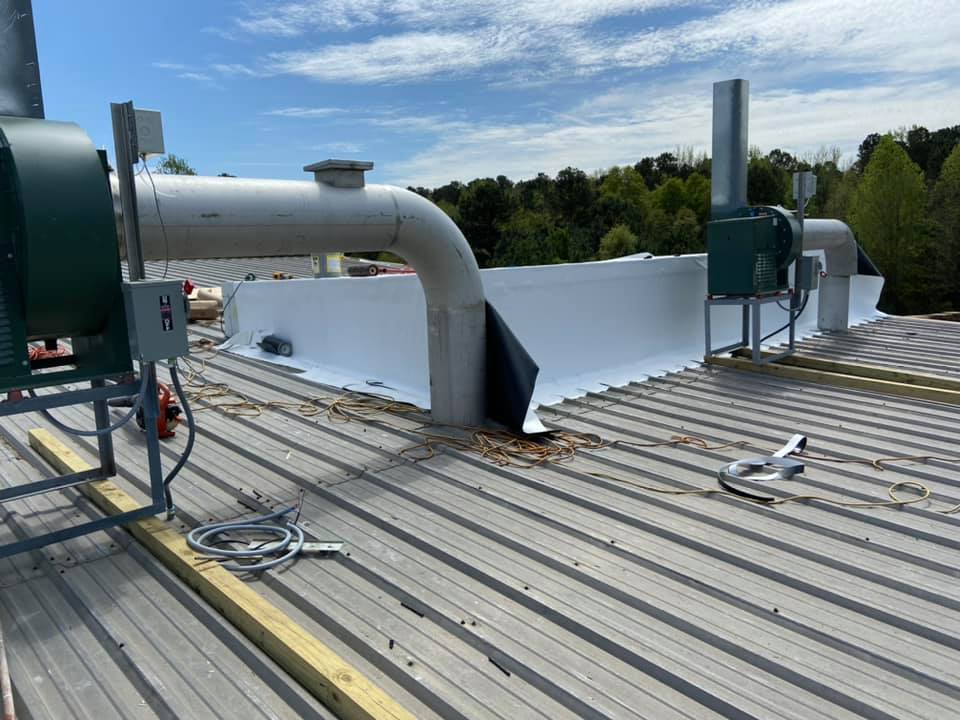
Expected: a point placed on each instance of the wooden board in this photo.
(875, 372)
(333, 681)
(857, 382)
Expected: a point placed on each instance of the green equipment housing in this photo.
(60, 272)
(751, 254)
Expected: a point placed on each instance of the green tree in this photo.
(528, 238)
(483, 206)
(697, 193)
(945, 211)
(685, 234)
(671, 196)
(886, 214)
(766, 183)
(175, 165)
(617, 243)
(573, 197)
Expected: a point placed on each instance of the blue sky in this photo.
(437, 90)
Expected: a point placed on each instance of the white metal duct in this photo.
(211, 217)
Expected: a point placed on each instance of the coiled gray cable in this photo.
(203, 540)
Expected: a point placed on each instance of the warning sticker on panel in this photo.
(166, 313)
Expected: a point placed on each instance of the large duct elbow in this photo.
(840, 253)
(213, 217)
(837, 242)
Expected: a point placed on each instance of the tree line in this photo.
(901, 197)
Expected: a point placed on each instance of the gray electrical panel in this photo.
(156, 318)
(807, 275)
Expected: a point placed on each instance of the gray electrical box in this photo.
(149, 126)
(807, 273)
(156, 319)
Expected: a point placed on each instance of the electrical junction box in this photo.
(156, 319)
(807, 273)
(149, 132)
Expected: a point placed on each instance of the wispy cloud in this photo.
(528, 41)
(305, 112)
(348, 148)
(237, 69)
(199, 77)
(169, 66)
(398, 58)
(624, 126)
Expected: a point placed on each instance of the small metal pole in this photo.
(151, 411)
(101, 414)
(756, 331)
(126, 152)
(706, 328)
(745, 333)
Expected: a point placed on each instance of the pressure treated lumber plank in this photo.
(868, 371)
(856, 382)
(333, 681)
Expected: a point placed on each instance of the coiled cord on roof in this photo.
(508, 449)
(204, 539)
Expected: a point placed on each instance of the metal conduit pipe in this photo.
(840, 251)
(214, 217)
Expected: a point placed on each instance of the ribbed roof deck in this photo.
(469, 590)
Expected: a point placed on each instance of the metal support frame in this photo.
(126, 150)
(750, 328)
(99, 393)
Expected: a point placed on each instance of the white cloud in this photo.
(624, 126)
(305, 112)
(169, 66)
(300, 17)
(197, 76)
(541, 40)
(236, 69)
(340, 147)
(396, 58)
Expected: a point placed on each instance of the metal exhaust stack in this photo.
(728, 183)
(20, 94)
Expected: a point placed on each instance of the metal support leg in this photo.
(708, 348)
(745, 332)
(794, 308)
(150, 413)
(755, 345)
(108, 463)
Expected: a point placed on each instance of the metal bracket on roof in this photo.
(340, 173)
(264, 504)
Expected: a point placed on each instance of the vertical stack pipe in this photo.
(728, 182)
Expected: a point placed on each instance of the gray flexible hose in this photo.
(202, 539)
(103, 431)
(191, 438)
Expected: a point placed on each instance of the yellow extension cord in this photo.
(507, 449)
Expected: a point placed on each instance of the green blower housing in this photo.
(60, 273)
(750, 254)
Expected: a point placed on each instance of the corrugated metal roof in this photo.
(97, 628)
(470, 590)
(917, 344)
(217, 271)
